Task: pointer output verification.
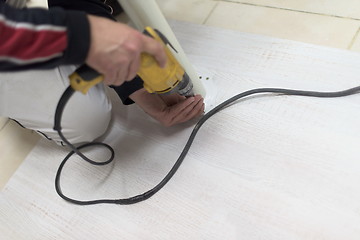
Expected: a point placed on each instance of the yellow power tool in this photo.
(170, 79)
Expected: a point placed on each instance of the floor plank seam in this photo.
(210, 13)
(354, 39)
(5, 124)
(292, 10)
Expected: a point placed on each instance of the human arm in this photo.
(169, 109)
(115, 47)
(40, 38)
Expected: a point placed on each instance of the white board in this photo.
(269, 167)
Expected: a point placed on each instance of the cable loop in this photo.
(141, 197)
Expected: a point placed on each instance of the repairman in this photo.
(40, 48)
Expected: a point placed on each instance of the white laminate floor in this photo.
(269, 167)
(328, 23)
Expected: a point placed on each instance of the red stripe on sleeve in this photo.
(26, 44)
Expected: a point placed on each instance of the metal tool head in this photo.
(184, 87)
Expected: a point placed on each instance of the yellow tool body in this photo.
(171, 78)
(85, 78)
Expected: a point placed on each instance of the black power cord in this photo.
(141, 197)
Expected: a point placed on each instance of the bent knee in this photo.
(86, 123)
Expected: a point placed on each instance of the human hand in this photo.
(115, 50)
(170, 109)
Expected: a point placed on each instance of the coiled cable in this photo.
(141, 197)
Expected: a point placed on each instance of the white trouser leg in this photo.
(30, 97)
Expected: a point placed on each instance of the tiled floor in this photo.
(330, 23)
(300, 26)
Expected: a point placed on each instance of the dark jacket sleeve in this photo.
(94, 7)
(127, 88)
(38, 38)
